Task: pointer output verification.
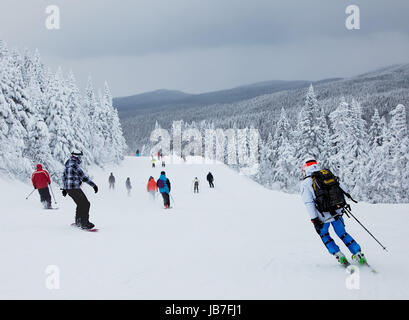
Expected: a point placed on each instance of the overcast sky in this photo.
(204, 45)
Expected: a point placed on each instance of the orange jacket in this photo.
(152, 185)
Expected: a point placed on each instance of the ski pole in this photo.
(172, 198)
(30, 193)
(348, 211)
(53, 194)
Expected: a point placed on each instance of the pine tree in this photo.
(400, 153)
(58, 119)
(283, 166)
(79, 120)
(266, 160)
(312, 130)
(93, 108)
(377, 172)
(376, 130)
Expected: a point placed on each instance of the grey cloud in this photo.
(199, 45)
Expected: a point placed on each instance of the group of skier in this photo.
(321, 191)
(111, 182)
(209, 179)
(159, 156)
(73, 177)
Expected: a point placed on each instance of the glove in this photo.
(95, 189)
(64, 192)
(318, 224)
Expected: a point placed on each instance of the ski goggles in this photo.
(308, 163)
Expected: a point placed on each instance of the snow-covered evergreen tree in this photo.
(375, 134)
(43, 117)
(400, 153)
(284, 165)
(312, 131)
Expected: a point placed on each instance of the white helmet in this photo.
(309, 161)
(77, 153)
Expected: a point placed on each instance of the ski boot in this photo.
(359, 257)
(341, 258)
(87, 226)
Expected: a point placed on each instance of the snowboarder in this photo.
(163, 184)
(73, 177)
(210, 179)
(153, 162)
(128, 185)
(152, 187)
(111, 181)
(41, 179)
(196, 185)
(314, 198)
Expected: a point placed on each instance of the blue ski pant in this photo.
(339, 228)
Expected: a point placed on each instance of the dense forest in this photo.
(44, 116)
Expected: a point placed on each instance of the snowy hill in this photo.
(237, 241)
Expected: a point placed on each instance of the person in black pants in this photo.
(73, 177)
(164, 186)
(210, 179)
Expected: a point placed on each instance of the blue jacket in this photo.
(166, 184)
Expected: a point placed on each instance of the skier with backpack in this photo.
(41, 179)
(163, 184)
(73, 177)
(324, 198)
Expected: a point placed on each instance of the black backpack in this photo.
(329, 196)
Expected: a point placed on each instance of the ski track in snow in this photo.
(237, 241)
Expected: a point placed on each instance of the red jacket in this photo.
(152, 185)
(40, 178)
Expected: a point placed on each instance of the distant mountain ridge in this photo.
(259, 104)
(159, 98)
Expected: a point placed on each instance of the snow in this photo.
(237, 241)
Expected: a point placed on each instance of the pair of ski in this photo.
(348, 264)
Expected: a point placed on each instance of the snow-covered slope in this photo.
(237, 241)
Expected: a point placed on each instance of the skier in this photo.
(210, 179)
(196, 185)
(313, 200)
(153, 162)
(137, 152)
(111, 181)
(41, 179)
(73, 177)
(128, 185)
(163, 184)
(152, 187)
(159, 154)
(163, 163)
